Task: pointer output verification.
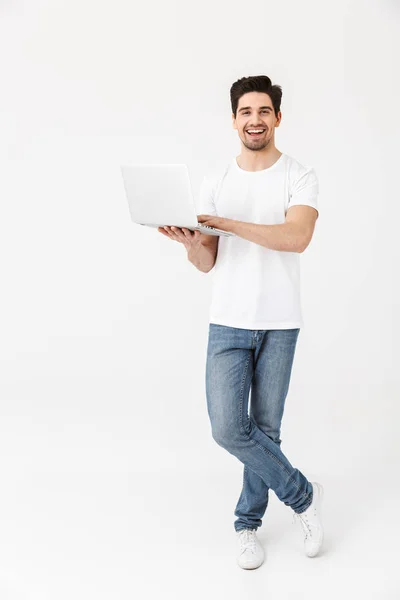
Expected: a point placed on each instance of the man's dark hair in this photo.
(258, 83)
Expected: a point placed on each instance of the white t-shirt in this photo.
(255, 287)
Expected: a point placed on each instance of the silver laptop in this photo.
(161, 195)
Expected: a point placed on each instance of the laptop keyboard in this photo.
(207, 226)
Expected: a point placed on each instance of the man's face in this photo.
(255, 111)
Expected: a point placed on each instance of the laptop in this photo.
(160, 194)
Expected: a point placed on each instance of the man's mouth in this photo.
(255, 132)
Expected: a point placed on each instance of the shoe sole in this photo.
(251, 568)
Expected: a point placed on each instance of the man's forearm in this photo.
(283, 236)
(203, 259)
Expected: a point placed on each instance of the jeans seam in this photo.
(242, 430)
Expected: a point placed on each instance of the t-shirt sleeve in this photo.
(305, 190)
(205, 198)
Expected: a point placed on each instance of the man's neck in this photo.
(257, 161)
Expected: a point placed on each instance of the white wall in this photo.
(104, 323)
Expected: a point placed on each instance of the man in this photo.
(269, 200)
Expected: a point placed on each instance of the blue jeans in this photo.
(238, 359)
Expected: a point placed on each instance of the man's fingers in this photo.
(175, 234)
(179, 234)
(168, 234)
(188, 233)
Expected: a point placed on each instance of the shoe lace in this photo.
(304, 523)
(247, 540)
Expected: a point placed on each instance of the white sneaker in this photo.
(251, 553)
(310, 520)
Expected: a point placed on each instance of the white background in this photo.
(111, 484)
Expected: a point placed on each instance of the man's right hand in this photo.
(190, 239)
(201, 247)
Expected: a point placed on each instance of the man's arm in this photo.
(293, 235)
(286, 237)
(204, 257)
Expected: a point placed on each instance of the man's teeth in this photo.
(255, 130)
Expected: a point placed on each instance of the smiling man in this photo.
(270, 201)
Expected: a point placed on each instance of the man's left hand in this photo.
(217, 222)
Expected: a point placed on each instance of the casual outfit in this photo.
(254, 322)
